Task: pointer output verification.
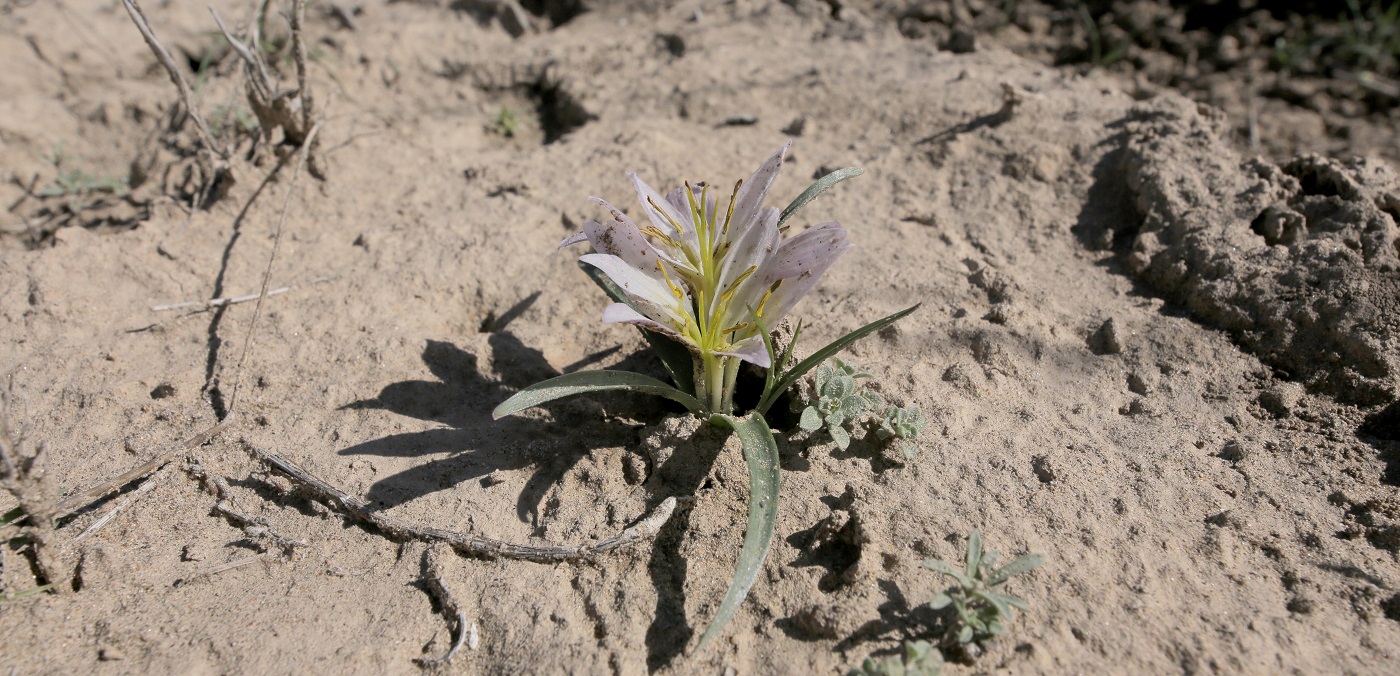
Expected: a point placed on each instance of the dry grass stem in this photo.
(206, 305)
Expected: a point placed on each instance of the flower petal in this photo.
(750, 250)
(755, 189)
(624, 240)
(751, 350)
(799, 264)
(641, 287)
(663, 215)
(622, 313)
(574, 239)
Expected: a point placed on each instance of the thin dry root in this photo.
(457, 618)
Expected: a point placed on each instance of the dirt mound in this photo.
(1298, 262)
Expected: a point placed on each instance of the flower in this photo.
(700, 274)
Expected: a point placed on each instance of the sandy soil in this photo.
(1167, 366)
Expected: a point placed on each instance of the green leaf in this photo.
(1000, 600)
(1023, 564)
(674, 355)
(761, 454)
(811, 420)
(940, 601)
(584, 382)
(832, 348)
(12, 516)
(820, 186)
(965, 634)
(839, 435)
(974, 554)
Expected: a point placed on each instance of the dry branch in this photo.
(186, 95)
(398, 529)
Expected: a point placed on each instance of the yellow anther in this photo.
(766, 296)
(737, 327)
(730, 214)
(665, 215)
(696, 214)
(656, 232)
(674, 289)
(734, 285)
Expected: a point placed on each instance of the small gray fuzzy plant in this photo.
(841, 403)
(983, 607)
(917, 659)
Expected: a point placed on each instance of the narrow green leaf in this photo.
(974, 554)
(1023, 564)
(832, 348)
(773, 364)
(787, 351)
(583, 382)
(998, 601)
(12, 516)
(817, 188)
(1008, 600)
(940, 601)
(761, 454)
(940, 566)
(674, 356)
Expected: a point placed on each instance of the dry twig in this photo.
(97, 525)
(254, 527)
(206, 305)
(292, 111)
(456, 616)
(186, 95)
(467, 544)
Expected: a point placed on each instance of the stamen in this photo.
(737, 327)
(695, 213)
(734, 285)
(766, 296)
(656, 232)
(730, 214)
(666, 216)
(674, 289)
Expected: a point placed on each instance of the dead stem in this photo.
(186, 95)
(397, 529)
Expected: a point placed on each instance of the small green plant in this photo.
(506, 122)
(841, 401)
(919, 659)
(901, 425)
(983, 608)
(76, 182)
(239, 119)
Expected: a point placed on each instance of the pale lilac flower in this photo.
(698, 269)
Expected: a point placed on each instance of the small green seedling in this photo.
(919, 659)
(72, 182)
(900, 426)
(506, 123)
(983, 608)
(841, 401)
